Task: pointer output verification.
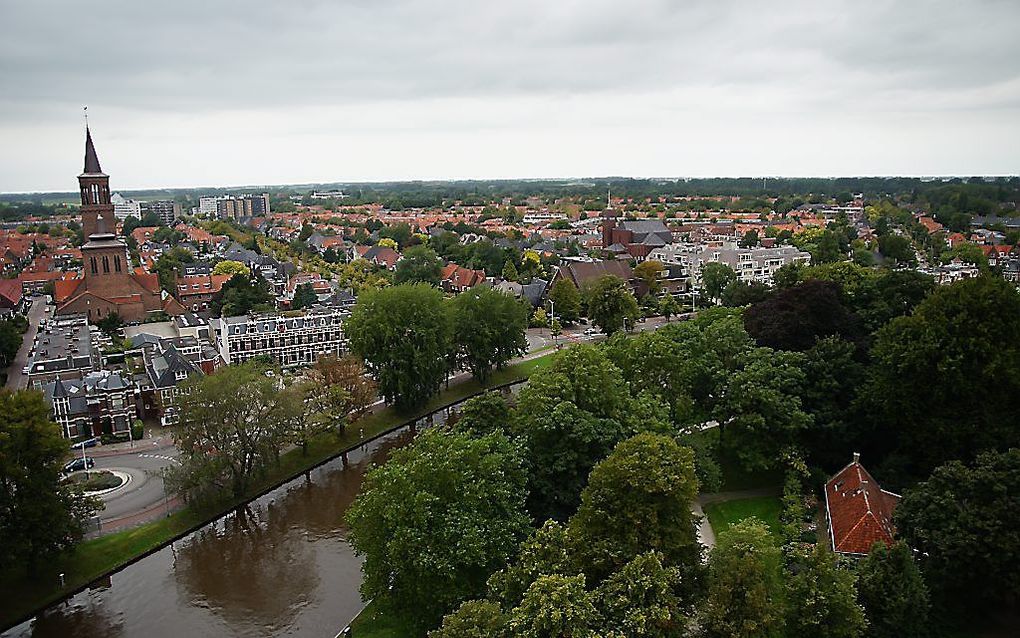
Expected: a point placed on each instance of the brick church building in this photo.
(109, 284)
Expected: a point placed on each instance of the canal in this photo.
(280, 566)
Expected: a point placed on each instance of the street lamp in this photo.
(552, 319)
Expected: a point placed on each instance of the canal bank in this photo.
(113, 555)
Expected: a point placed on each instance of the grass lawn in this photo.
(726, 513)
(93, 558)
(371, 623)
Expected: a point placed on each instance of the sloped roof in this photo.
(10, 290)
(91, 159)
(859, 510)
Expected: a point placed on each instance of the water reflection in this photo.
(280, 566)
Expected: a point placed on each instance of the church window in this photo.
(106, 264)
(116, 263)
(95, 267)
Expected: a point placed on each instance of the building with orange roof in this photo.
(859, 512)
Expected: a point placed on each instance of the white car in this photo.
(591, 332)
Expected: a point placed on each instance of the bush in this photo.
(137, 431)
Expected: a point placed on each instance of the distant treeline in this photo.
(982, 195)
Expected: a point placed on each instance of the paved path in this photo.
(15, 379)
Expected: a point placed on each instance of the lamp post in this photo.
(552, 318)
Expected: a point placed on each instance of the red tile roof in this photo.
(10, 293)
(859, 510)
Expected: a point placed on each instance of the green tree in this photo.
(715, 277)
(232, 425)
(403, 334)
(760, 412)
(510, 271)
(648, 273)
(669, 307)
(822, 600)
(474, 619)
(419, 264)
(566, 300)
(741, 293)
(307, 230)
(484, 414)
(962, 522)
(10, 343)
(946, 379)
(546, 551)
(488, 329)
(304, 297)
(640, 599)
(230, 267)
(892, 592)
(436, 520)
(168, 264)
(570, 415)
(639, 499)
(611, 305)
(110, 324)
(744, 597)
(40, 516)
(242, 294)
(896, 247)
(556, 607)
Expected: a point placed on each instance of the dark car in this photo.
(79, 464)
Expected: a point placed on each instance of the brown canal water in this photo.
(280, 566)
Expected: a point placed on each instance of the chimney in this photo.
(857, 458)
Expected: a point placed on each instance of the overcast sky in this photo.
(210, 92)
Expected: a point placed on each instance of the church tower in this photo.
(96, 207)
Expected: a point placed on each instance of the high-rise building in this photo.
(244, 206)
(166, 209)
(124, 207)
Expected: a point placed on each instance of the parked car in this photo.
(26, 370)
(79, 464)
(591, 332)
(93, 442)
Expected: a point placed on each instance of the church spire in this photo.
(91, 159)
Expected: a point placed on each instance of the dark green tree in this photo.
(794, 318)
(488, 329)
(715, 277)
(484, 414)
(611, 305)
(40, 516)
(822, 600)
(946, 380)
(403, 334)
(892, 592)
(419, 264)
(639, 499)
(436, 521)
(641, 600)
(304, 297)
(745, 591)
(962, 522)
(566, 301)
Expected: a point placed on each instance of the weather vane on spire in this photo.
(86, 110)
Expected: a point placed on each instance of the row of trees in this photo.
(235, 422)
(412, 338)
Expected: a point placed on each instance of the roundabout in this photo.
(100, 482)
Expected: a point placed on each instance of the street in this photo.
(15, 379)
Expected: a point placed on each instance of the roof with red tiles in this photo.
(859, 511)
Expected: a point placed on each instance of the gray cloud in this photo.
(203, 67)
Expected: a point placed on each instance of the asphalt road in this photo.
(146, 486)
(15, 379)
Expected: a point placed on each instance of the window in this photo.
(116, 263)
(95, 267)
(106, 264)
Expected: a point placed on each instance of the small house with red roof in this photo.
(458, 279)
(858, 511)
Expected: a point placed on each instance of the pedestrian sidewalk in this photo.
(160, 442)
